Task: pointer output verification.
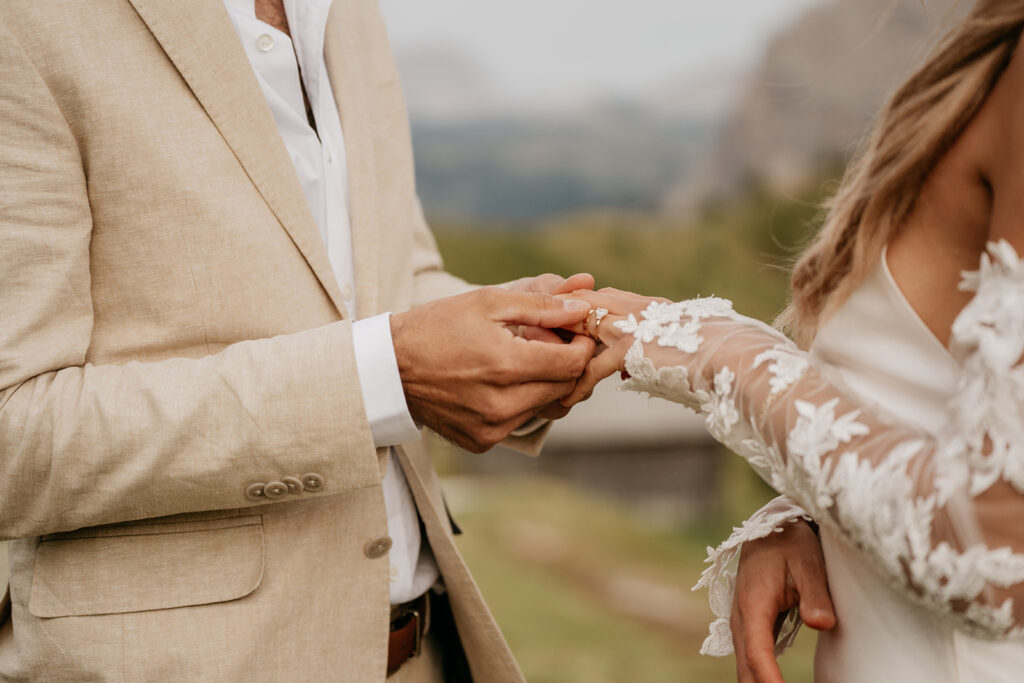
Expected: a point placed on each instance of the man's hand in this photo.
(554, 285)
(776, 573)
(468, 377)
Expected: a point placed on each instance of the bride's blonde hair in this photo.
(915, 129)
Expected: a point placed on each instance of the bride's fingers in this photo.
(603, 365)
(743, 672)
(606, 329)
(756, 605)
(755, 653)
(616, 298)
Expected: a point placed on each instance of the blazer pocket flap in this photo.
(147, 567)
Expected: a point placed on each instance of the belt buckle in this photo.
(418, 627)
(417, 643)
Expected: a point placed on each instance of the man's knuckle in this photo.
(492, 436)
(494, 411)
(475, 446)
(578, 364)
(490, 297)
(490, 415)
(505, 371)
(548, 279)
(540, 299)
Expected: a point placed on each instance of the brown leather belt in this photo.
(410, 622)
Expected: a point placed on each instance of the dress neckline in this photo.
(908, 307)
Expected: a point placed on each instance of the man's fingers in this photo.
(540, 334)
(553, 411)
(816, 607)
(603, 365)
(534, 309)
(525, 402)
(546, 283)
(574, 283)
(549, 283)
(534, 361)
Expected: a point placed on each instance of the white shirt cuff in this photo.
(529, 428)
(383, 396)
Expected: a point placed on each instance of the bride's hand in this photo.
(610, 306)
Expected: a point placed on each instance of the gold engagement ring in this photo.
(598, 314)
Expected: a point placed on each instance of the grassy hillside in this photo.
(587, 591)
(740, 251)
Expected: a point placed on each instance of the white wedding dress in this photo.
(909, 456)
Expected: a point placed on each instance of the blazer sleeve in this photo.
(431, 280)
(84, 444)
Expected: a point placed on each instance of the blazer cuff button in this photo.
(255, 492)
(275, 490)
(294, 485)
(312, 482)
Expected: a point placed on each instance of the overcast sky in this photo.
(583, 47)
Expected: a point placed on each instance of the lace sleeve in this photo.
(720, 577)
(937, 515)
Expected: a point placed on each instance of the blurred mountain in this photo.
(820, 83)
(481, 154)
(442, 85)
(484, 154)
(521, 168)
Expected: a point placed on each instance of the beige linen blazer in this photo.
(171, 334)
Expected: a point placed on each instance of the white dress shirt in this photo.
(282, 66)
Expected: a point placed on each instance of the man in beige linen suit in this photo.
(187, 465)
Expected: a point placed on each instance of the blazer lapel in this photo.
(198, 37)
(344, 55)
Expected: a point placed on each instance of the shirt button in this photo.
(394, 573)
(294, 485)
(347, 292)
(275, 490)
(377, 548)
(265, 43)
(255, 491)
(312, 482)
(330, 157)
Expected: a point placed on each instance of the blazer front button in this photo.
(275, 490)
(255, 491)
(377, 548)
(312, 481)
(294, 485)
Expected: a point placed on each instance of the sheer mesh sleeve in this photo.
(937, 515)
